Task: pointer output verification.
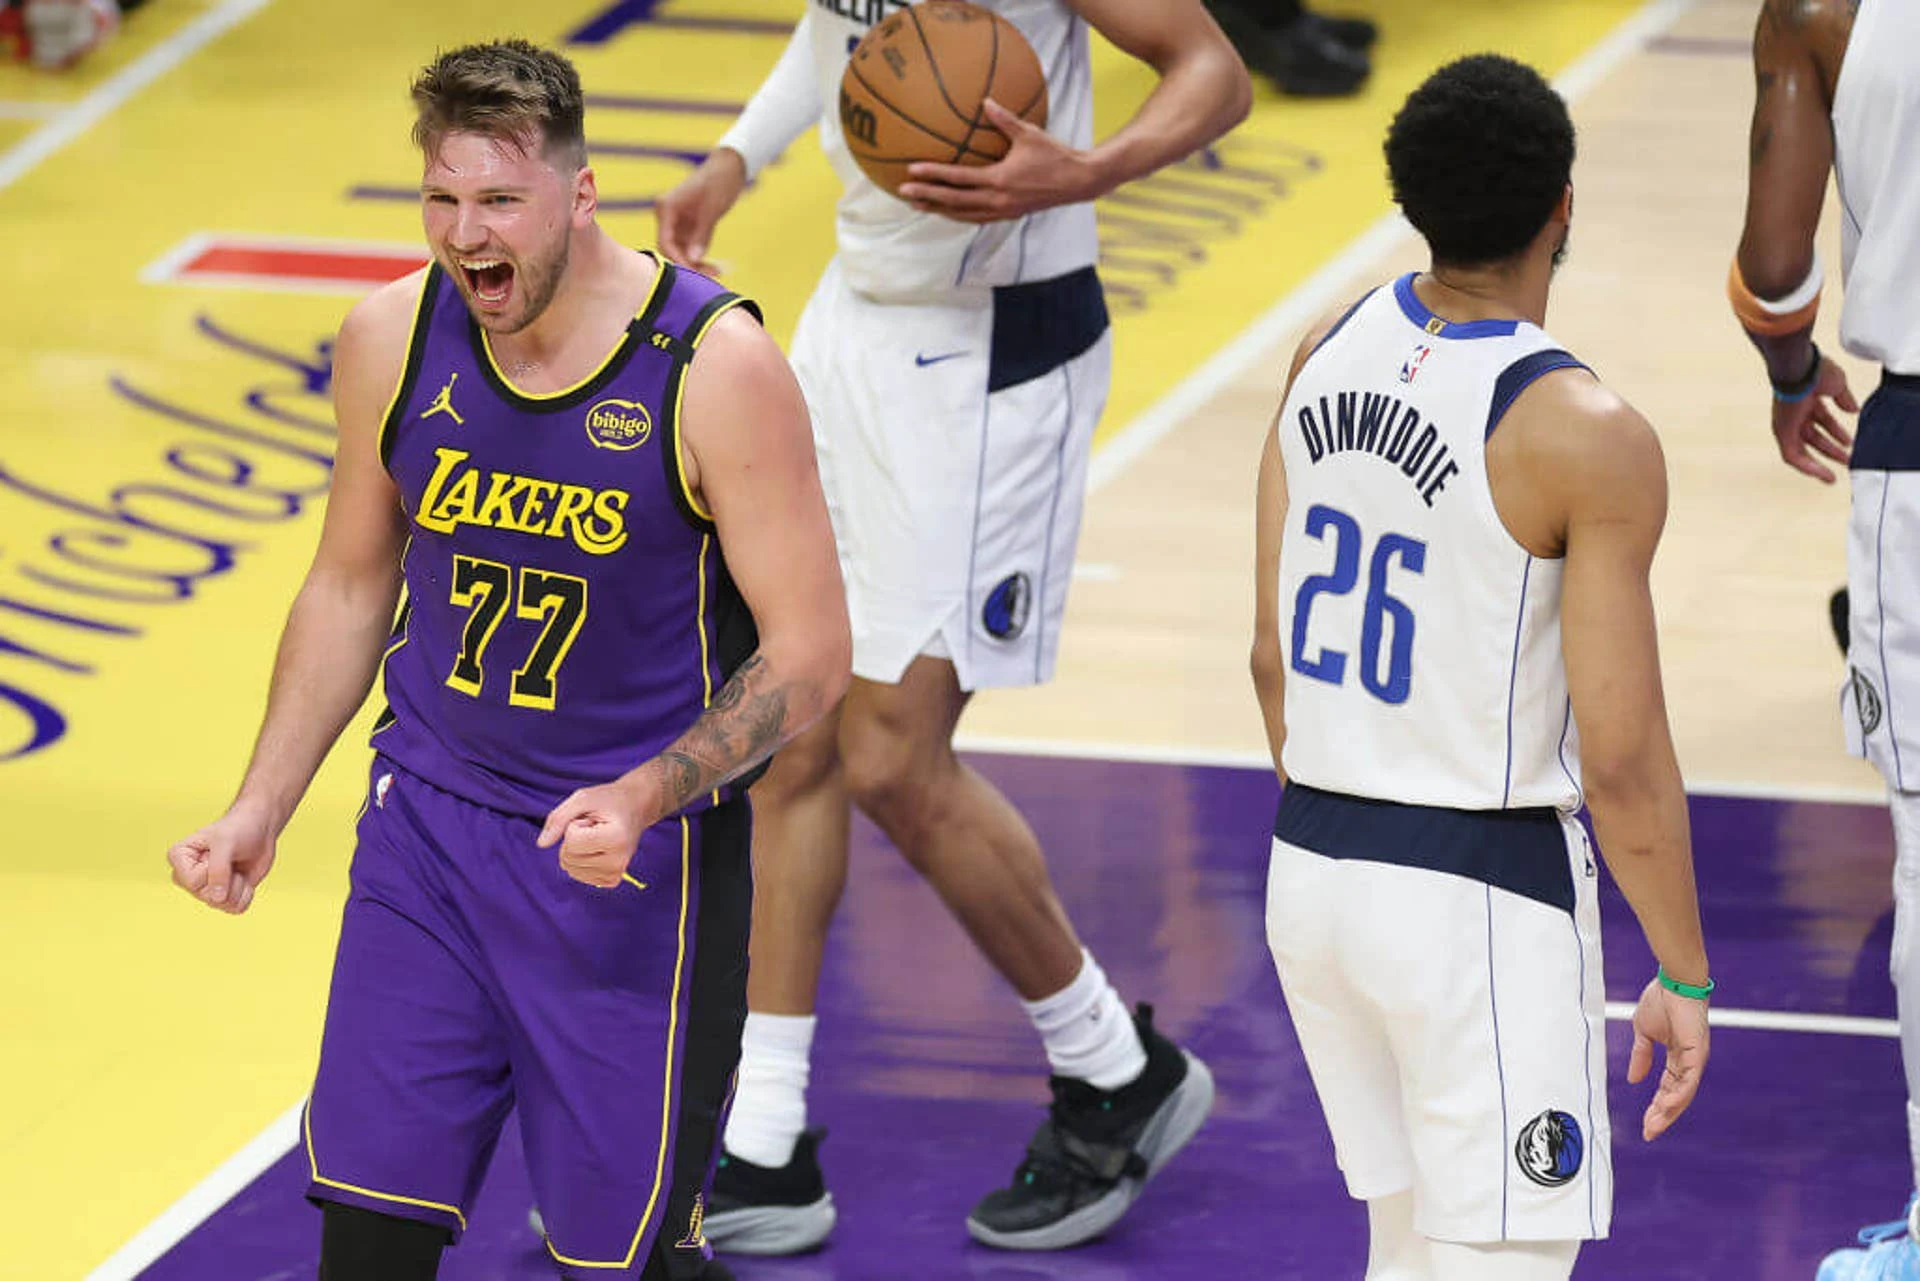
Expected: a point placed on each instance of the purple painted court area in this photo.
(930, 1081)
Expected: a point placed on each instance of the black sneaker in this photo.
(1302, 58)
(1096, 1150)
(757, 1210)
(1358, 34)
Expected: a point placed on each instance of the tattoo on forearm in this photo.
(743, 725)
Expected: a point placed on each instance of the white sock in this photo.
(1087, 1031)
(770, 1102)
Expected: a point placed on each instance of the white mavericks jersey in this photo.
(891, 252)
(1876, 135)
(1422, 642)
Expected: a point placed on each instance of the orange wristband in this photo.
(1766, 318)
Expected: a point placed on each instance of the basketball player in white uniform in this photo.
(1456, 522)
(955, 358)
(1836, 92)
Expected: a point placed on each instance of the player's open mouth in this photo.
(489, 279)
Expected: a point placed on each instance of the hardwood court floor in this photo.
(147, 1048)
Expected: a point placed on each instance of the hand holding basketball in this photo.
(929, 83)
(223, 863)
(1680, 1024)
(1038, 172)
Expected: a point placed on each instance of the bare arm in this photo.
(1600, 463)
(1790, 154)
(1614, 481)
(1597, 464)
(785, 105)
(752, 453)
(1202, 93)
(1798, 46)
(337, 629)
(750, 458)
(1269, 661)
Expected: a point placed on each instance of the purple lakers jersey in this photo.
(568, 612)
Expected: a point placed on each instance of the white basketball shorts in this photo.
(1443, 972)
(953, 440)
(1882, 716)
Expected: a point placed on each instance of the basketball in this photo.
(915, 86)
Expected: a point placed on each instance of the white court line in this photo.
(1336, 282)
(16, 109)
(1096, 571)
(1318, 294)
(1782, 1021)
(1238, 758)
(212, 1192)
(113, 92)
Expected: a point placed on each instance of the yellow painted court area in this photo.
(163, 454)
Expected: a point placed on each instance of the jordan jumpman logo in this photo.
(443, 404)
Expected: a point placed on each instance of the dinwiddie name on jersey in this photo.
(865, 13)
(461, 494)
(1381, 425)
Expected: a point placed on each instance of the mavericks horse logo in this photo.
(1550, 1149)
(1866, 701)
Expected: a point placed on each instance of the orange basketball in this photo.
(914, 89)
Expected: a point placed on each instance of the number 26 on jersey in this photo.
(1387, 676)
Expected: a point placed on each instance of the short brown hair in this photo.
(508, 90)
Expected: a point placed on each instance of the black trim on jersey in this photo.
(681, 349)
(1887, 437)
(1521, 851)
(615, 364)
(416, 356)
(1042, 324)
(401, 616)
(657, 301)
(1522, 374)
(735, 638)
(716, 1011)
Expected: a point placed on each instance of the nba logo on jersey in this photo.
(1411, 369)
(380, 790)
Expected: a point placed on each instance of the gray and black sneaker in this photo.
(757, 1210)
(1096, 1150)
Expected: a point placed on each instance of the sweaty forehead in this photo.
(481, 160)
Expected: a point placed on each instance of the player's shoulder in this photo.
(1578, 427)
(371, 349)
(385, 316)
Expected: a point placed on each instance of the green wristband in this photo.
(1686, 989)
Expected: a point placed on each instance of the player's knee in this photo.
(889, 779)
(803, 768)
(363, 1245)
